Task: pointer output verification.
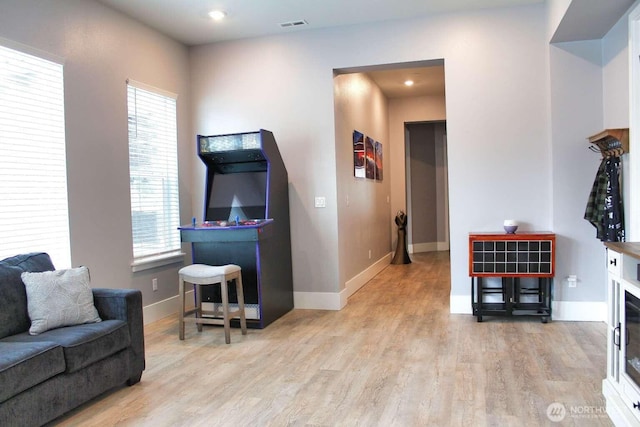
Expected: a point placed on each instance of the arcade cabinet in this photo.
(246, 222)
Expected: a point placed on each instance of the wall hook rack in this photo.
(610, 142)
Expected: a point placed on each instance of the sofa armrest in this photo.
(126, 305)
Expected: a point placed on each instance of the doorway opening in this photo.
(427, 191)
(379, 101)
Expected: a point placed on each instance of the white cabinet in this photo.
(613, 321)
(621, 387)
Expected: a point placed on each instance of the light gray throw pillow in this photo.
(59, 298)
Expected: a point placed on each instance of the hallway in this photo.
(394, 356)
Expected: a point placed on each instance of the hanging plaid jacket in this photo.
(604, 207)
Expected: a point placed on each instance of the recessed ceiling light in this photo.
(408, 83)
(217, 15)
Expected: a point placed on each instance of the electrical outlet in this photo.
(572, 280)
(369, 253)
(154, 284)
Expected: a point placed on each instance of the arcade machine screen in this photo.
(239, 195)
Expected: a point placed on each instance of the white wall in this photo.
(497, 120)
(616, 92)
(576, 106)
(632, 170)
(363, 209)
(497, 134)
(101, 48)
(276, 84)
(615, 76)
(589, 92)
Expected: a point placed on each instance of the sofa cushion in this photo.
(25, 364)
(14, 317)
(83, 344)
(59, 298)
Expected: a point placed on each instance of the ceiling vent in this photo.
(293, 24)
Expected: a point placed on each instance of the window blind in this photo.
(153, 173)
(34, 212)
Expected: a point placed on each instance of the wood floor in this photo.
(394, 356)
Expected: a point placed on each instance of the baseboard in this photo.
(443, 246)
(460, 304)
(616, 408)
(302, 300)
(317, 300)
(428, 247)
(579, 311)
(338, 300)
(352, 285)
(569, 311)
(165, 308)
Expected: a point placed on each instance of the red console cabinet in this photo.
(512, 257)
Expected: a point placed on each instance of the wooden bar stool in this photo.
(201, 274)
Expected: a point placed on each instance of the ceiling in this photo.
(427, 81)
(589, 19)
(187, 20)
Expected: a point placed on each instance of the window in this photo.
(34, 212)
(153, 175)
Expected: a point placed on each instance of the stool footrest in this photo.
(202, 321)
(220, 314)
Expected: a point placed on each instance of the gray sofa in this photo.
(44, 376)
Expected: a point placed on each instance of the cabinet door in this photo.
(629, 367)
(613, 327)
(614, 262)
